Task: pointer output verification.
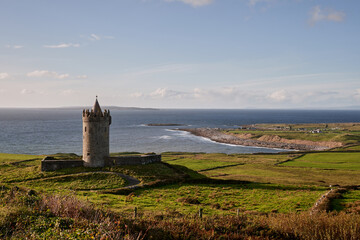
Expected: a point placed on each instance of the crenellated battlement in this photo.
(90, 114)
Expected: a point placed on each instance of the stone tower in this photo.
(96, 126)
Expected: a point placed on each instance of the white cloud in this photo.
(62, 76)
(278, 96)
(240, 97)
(63, 45)
(67, 92)
(163, 93)
(228, 93)
(317, 14)
(357, 93)
(194, 3)
(4, 75)
(168, 94)
(82, 77)
(26, 91)
(14, 46)
(95, 37)
(254, 2)
(137, 95)
(46, 73)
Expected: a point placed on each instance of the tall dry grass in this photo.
(321, 226)
(68, 215)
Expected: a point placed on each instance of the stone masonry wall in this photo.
(95, 141)
(51, 164)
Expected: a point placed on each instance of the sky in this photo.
(238, 54)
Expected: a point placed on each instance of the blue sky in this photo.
(180, 53)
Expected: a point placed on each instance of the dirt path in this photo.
(131, 181)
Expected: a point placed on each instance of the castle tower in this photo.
(96, 126)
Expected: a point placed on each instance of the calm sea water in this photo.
(46, 131)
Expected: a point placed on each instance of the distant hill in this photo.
(106, 107)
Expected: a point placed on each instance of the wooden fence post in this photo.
(237, 212)
(135, 212)
(200, 213)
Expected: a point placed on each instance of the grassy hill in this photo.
(345, 133)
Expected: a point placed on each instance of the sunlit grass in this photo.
(344, 160)
(9, 158)
(215, 198)
(263, 168)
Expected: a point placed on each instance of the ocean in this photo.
(48, 131)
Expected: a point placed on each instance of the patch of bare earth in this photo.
(242, 135)
(275, 138)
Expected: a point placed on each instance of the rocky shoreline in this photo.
(217, 135)
(164, 124)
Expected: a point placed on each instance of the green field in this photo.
(345, 133)
(293, 171)
(300, 135)
(7, 158)
(354, 148)
(201, 162)
(216, 199)
(333, 160)
(221, 185)
(272, 168)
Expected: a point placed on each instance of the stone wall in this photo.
(51, 164)
(133, 160)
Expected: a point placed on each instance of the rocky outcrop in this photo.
(267, 141)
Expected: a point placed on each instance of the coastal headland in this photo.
(304, 137)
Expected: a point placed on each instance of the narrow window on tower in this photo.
(85, 129)
(88, 154)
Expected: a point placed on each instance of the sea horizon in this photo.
(49, 131)
(351, 108)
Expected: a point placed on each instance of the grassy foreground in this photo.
(243, 196)
(26, 215)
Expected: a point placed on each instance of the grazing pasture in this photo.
(258, 195)
(328, 160)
